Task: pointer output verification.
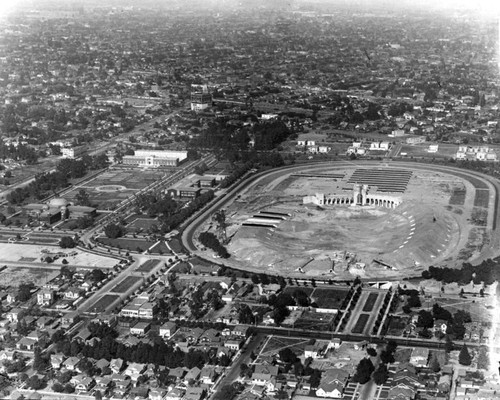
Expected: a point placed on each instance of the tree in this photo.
(364, 371)
(464, 358)
(82, 198)
(448, 346)
(287, 356)
(434, 364)
(114, 231)
(371, 352)
(381, 374)
(24, 292)
(67, 242)
(425, 319)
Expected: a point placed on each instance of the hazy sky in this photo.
(486, 6)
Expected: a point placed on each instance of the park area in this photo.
(113, 186)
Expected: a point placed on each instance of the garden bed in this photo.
(126, 284)
(361, 323)
(370, 302)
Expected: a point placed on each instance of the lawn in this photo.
(132, 244)
(370, 302)
(175, 245)
(103, 303)
(148, 266)
(161, 248)
(457, 197)
(361, 323)
(126, 284)
(482, 198)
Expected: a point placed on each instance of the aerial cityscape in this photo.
(250, 200)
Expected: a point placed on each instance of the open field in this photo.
(429, 227)
(421, 150)
(19, 252)
(14, 276)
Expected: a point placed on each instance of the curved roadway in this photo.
(228, 197)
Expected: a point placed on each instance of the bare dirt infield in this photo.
(429, 227)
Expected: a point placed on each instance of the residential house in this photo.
(69, 319)
(45, 297)
(233, 344)
(7, 355)
(82, 382)
(13, 315)
(72, 293)
(134, 370)
(440, 325)
(335, 343)
(102, 384)
(139, 392)
(241, 331)
(210, 337)
(268, 319)
(44, 322)
(175, 394)
(192, 375)
(419, 356)
(193, 335)
(122, 385)
(56, 360)
(194, 393)
(83, 335)
(444, 383)
(315, 351)
(333, 383)
(157, 394)
(116, 365)
(102, 363)
(177, 373)
(71, 363)
(263, 373)
(168, 329)
(208, 375)
(26, 344)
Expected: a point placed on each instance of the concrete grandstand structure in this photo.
(358, 197)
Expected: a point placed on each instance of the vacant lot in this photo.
(330, 297)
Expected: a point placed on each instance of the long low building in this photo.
(155, 158)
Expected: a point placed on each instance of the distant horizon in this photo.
(483, 5)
